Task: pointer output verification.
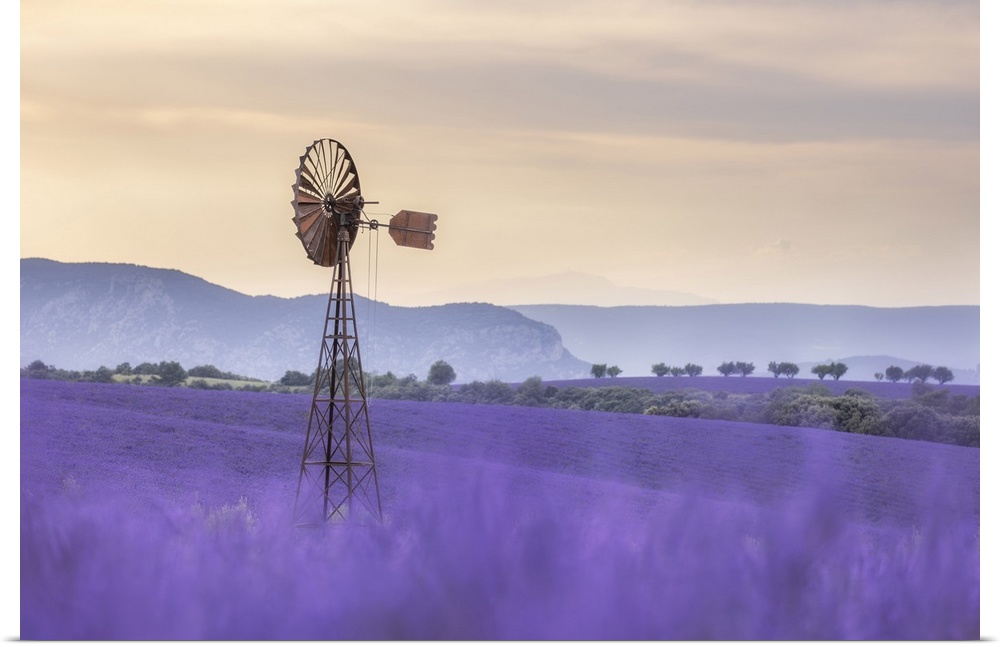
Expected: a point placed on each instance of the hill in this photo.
(869, 339)
(83, 315)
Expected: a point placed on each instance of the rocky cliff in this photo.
(84, 315)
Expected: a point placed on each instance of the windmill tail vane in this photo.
(411, 229)
(338, 478)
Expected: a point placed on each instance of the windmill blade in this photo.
(413, 229)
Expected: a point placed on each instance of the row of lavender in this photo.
(751, 384)
(930, 413)
(165, 514)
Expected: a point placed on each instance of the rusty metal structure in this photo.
(338, 479)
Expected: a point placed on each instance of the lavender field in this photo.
(157, 513)
(762, 384)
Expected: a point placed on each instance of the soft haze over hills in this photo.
(636, 337)
(83, 315)
(567, 288)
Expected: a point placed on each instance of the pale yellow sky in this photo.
(823, 152)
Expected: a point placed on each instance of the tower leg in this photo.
(338, 479)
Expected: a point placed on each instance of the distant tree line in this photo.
(602, 370)
(39, 370)
(743, 369)
(165, 373)
(788, 369)
(207, 376)
(691, 370)
(836, 369)
(918, 373)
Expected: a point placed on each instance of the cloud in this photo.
(761, 71)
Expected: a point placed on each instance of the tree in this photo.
(492, 392)
(38, 370)
(530, 393)
(837, 370)
(879, 377)
(614, 371)
(441, 373)
(676, 371)
(661, 369)
(943, 374)
(123, 369)
(103, 374)
(788, 369)
(921, 372)
(744, 368)
(894, 374)
(692, 370)
(599, 370)
(727, 368)
(206, 370)
(146, 368)
(377, 381)
(821, 370)
(170, 374)
(295, 378)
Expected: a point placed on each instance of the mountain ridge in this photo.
(79, 316)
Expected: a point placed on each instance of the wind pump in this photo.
(338, 479)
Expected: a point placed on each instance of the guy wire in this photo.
(374, 299)
(370, 327)
(372, 307)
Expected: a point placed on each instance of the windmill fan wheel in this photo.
(327, 199)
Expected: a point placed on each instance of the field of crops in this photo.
(157, 513)
(762, 384)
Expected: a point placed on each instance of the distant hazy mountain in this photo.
(84, 315)
(569, 288)
(635, 338)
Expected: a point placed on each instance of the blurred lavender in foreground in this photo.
(486, 562)
(152, 513)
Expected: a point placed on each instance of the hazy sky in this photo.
(823, 152)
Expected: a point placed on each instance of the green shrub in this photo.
(530, 393)
(858, 414)
(914, 421)
(492, 392)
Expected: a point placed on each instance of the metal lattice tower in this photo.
(339, 477)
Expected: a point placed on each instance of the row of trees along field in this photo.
(921, 372)
(165, 373)
(207, 376)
